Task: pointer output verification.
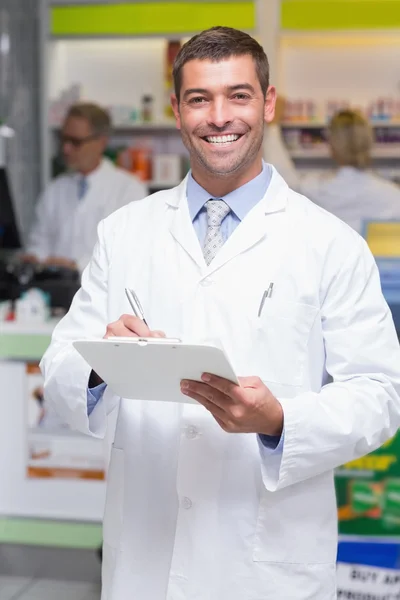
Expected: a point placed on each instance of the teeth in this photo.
(222, 139)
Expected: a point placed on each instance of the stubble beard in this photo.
(233, 165)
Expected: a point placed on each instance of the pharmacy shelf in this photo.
(386, 151)
(321, 151)
(161, 185)
(310, 153)
(167, 126)
(321, 125)
(303, 125)
(171, 126)
(140, 126)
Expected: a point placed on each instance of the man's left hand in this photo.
(246, 408)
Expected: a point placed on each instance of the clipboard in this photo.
(152, 368)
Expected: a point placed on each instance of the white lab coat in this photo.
(66, 226)
(275, 152)
(354, 196)
(192, 512)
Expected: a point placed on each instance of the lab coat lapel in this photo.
(181, 226)
(254, 227)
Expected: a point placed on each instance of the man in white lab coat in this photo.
(67, 214)
(232, 497)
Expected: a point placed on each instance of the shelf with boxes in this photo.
(308, 140)
(154, 154)
(137, 126)
(321, 151)
(376, 110)
(153, 151)
(144, 137)
(322, 125)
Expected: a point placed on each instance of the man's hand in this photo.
(60, 261)
(130, 326)
(126, 326)
(247, 408)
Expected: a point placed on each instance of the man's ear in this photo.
(269, 104)
(175, 108)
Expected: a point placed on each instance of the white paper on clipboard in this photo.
(152, 368)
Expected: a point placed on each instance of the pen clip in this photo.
(266, 294)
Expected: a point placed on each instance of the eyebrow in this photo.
(194, 91)
(230, 88)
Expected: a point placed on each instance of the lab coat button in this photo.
(187, 503)
(191, 433)
(206, 282)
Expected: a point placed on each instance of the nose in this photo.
(66, 148)
(220, 113)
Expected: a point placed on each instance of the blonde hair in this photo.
(98, 118)
(351, 139)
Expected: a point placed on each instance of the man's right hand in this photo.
(130, 326)
(126, 326)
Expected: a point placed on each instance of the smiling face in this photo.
(221, 115)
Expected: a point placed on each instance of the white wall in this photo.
(359, 72)
(110, 71)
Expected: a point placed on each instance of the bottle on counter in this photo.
(147, 107)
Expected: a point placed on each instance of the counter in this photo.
(34, 510)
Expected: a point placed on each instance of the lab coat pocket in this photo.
(298, 524)
(114, 509)
(282, 331)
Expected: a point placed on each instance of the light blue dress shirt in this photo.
(240, 201)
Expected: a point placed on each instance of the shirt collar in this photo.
(240, 201)
(104, 164)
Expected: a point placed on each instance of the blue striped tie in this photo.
(217, 210)
(83, 185)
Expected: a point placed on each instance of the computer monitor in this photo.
(9, 232)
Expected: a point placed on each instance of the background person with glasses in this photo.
(67, 214)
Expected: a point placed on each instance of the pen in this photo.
(266, 294)
(135, 305)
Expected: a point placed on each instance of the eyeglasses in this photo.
(75, 141)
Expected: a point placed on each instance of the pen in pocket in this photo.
(266, 294)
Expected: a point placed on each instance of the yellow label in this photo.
(372, 463)
(383, 239)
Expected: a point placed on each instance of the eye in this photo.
(241, 96)
(197, 100)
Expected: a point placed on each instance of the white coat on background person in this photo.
(352, 192)
(275, 150)
(199, 506)
(68, 212)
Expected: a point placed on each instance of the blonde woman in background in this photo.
(352, 192)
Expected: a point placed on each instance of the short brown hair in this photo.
(351, 139)
(98, 118)
(220, 43)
